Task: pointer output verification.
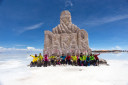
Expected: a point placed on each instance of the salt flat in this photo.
(15, 72)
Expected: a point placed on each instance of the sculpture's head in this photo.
(65, 17)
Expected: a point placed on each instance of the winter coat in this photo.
(92, 58)
(63, 57)
(84, 57)
(52, 57)
(87, 59)
(68, 57)
(81, 58)
(40, 57)
(34, 58)
(96, 56)
(45, 58)
(74, 58)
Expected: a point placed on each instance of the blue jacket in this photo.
(63, 57)
(87, 59)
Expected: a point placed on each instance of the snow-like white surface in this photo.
(15, 72)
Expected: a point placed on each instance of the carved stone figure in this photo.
(66, 37)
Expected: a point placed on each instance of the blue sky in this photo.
(23, 22)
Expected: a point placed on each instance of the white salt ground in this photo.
(15, 72)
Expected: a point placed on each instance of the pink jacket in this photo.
(45, 58)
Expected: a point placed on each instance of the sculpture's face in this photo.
(65, 17)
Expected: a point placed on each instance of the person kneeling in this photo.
(92, 60)
(63, 59)
(34, 61)
(45, 60)
(53, 60)
(68, 60)
(88, 60)
(81, 59)
(96, 59)
(40, 60)
(58, 60)
(74, 59)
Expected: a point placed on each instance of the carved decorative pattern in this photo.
(66, 37)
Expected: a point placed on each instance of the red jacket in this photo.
(96, 56)
(68, 57)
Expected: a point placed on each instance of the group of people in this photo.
(77, 60)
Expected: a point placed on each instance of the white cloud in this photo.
(34, 49)
(2, 49)
(36, 26)
(113, 48)
(100, 49)
(30, 48)
(20, 45)
(117, 48)
(108, 19)
(68, 3)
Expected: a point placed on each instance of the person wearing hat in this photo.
(34, 61)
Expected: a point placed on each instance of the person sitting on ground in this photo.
(92, 60)
(96, 59)
(63, 59)
(88, 60)
(78, 59)
(40, 60)
(45, 60)
(74, 58)
(58, 59)
(81, 59)
(68, 59)
(34, 61)
(84, 59)
(53, 59)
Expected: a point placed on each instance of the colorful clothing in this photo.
(34, 58)
(45, 58)
(84, 57)
(40, 57)
(63, 57)
(81, 58)
(68, 57)
(92, 58)
(87, 59)
(74, 58)
(96, 56)
(52, 57)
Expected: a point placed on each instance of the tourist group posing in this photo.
(76, 60)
